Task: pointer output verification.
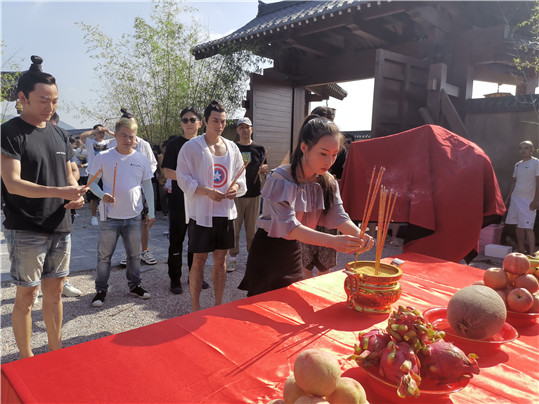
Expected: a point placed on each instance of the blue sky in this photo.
(48, 29)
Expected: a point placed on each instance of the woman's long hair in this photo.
(312, 130)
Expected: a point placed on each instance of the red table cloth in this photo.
(243, 351)
(444, 183)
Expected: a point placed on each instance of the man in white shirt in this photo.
(524, 197)
(206, 169)
(125, 173)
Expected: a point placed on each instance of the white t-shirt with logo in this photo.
(132, 170)
(525, 173)
(220, 181)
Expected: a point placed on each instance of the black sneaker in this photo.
(177, 290)
(99, 299)
(138, 291)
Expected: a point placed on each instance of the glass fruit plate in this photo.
(438, 317)
(517, 319)
(430, 392)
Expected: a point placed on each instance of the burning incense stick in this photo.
(114, 181)
(261, 164)
(238, 176)
(94, 177)
(369, 203)
(387, 205)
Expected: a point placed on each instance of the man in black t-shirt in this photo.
(248, 206)
(36, 183)
(191, 121)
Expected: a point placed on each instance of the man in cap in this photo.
(248, 205)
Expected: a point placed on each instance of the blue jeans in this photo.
(109, 231)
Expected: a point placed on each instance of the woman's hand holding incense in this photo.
(352, 244)
(368, 243)
(108, 198)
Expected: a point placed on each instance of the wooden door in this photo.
(400, 90)
(276, 109)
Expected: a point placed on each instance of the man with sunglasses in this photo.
(191, 121)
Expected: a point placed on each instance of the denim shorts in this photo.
(35, 256)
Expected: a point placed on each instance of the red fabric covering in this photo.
(444, 183)
(243, 351)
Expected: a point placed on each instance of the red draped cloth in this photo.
(243, 351)
(445, 184)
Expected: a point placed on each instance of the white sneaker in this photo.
(147, 258)
(231, 264)
(70, 290)
(123, 262)
(94, 221)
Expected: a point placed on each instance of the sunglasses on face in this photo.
(192, 120)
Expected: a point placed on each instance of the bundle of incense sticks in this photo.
(114, 181)
(369, 203)
(387, 204)
(94, 177)
(238, 175)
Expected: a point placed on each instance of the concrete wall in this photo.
(498, 134)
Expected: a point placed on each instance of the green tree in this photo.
(526, 39)
(152, 73)
(11, 69)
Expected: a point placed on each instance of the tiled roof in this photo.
(276, 17)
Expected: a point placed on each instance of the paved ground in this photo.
(123, 312)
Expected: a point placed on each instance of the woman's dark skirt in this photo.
(272, 263)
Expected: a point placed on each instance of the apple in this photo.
(516, 263)
(495, 278)
(535, 305)
(519, 299)
(503, 295)
(528, 282)
(511, 277)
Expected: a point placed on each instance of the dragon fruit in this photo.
(444, 362)
(399, 364)
(371, 344)
(408, 325)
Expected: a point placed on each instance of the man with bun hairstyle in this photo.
(206, 168)
(38, 188)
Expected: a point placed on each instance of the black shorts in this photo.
(208, 239)
(91, 196)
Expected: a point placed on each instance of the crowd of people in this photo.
(209, 187)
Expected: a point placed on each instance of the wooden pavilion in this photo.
(423, 56)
